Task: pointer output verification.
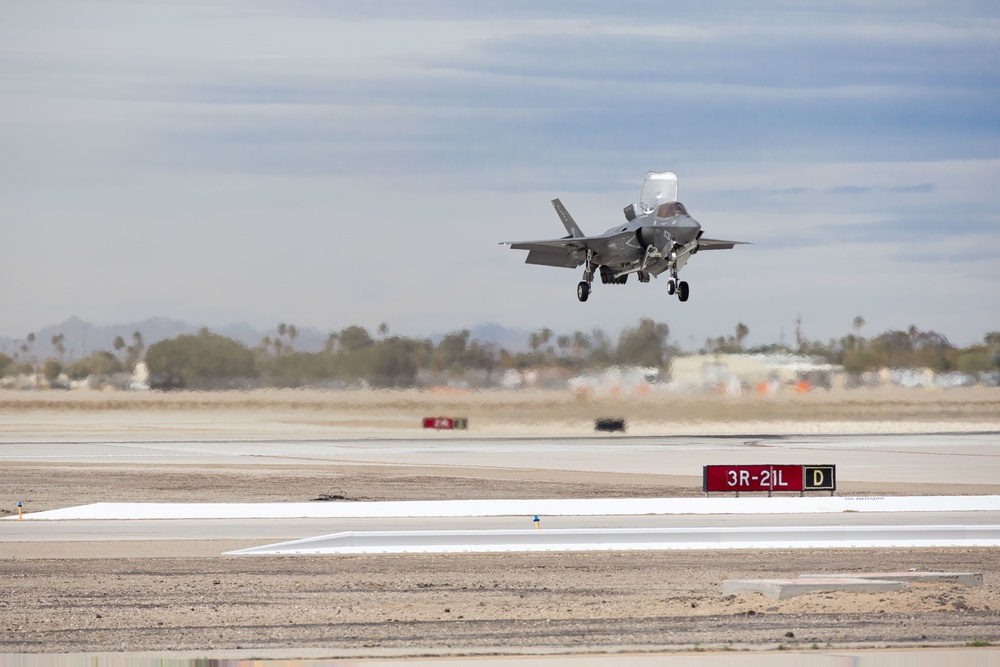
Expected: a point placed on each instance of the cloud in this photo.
(330, 162)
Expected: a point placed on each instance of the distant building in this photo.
(734, 373)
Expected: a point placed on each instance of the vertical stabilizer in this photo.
(568, 222)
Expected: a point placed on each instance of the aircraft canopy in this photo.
(657, 188)
(670, 209)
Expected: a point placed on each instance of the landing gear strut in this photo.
(583, 289)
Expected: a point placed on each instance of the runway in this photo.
(972, 459)
(954, 458)
(158, 577)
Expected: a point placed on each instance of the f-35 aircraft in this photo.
(658, 237)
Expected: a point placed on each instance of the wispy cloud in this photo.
(370, 155)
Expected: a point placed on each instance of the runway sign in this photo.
(736, 478)
(446, 423)
(819, 478)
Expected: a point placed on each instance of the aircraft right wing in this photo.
(569, 251)
(718, 244)
(564, 252)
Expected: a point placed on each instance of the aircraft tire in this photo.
(671, 287)
(582, 290)
(683, 291)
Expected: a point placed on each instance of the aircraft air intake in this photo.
(657, 237)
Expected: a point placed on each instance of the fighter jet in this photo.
(658, 236)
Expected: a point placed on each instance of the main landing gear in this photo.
(680, 288)
(583, 289)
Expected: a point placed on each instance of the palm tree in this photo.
(135, 350)
(57, 344)
(859, 322)
(119, 344)
(742, 331)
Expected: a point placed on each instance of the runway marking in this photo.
(549, 507)
(632, 539)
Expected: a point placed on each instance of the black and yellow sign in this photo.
(819, 478)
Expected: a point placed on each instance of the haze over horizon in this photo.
(331, 164)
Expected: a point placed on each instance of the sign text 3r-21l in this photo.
(770, 478)
(753, 478)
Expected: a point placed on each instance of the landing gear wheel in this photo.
(683, 291)
(582, 290)
(671, 287)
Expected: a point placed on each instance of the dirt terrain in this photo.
(482, 603)
(116, 596)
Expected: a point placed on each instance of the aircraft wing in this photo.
(566, 252)
(717, 244)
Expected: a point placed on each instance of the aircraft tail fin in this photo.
(568, 222)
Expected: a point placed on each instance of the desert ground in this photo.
(71, 596)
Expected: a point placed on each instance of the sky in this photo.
(337, 163)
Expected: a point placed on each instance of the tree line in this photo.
(353, 355)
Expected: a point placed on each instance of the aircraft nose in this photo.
(687, 230)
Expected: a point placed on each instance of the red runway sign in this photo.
(446, 423)
(734, 478)
(439, 422)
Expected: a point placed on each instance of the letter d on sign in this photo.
(817, 477)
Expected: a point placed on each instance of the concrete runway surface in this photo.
(961, 459)
(946, 459)
(953, 458)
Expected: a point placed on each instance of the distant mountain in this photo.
(83, 338)
(513, 339)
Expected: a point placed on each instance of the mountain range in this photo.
(82, 338)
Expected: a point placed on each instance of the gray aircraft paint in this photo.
(658, 236)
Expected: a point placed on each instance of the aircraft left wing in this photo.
(718, 244)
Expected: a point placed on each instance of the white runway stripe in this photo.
(550, 507)
(631, 539)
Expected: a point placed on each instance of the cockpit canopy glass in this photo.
(670, 209)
